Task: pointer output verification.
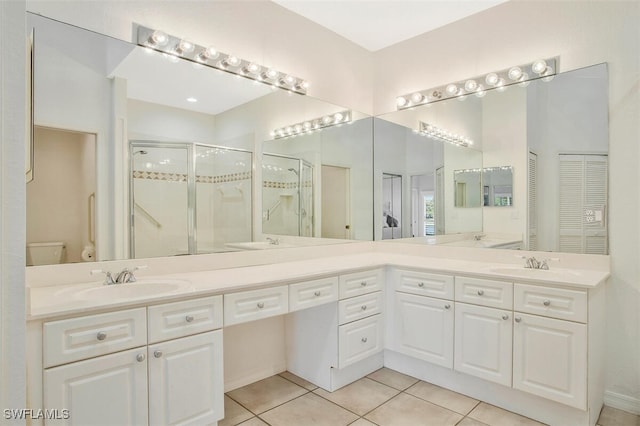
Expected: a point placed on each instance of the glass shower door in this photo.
(159, 200)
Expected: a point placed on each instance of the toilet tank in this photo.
(45, 253)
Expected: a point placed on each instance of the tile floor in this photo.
(384, 398)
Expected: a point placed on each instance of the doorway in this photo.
(336, 202)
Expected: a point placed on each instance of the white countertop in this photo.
(59, 300)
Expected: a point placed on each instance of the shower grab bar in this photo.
(146, 214)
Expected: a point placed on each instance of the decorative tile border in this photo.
(285, 185)
(182, 177)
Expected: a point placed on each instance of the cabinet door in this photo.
(359, 340)
(550, 359)
(185, 380)
(423, 328)
(483, 338)
(108, 390)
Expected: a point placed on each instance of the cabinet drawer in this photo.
(180, 319)
(360, 283)
(359, 340)
(424, 284)
(356, 308)
(93, 335)
(551, 302)
(256, 304)
(313, 293)
(496, 294)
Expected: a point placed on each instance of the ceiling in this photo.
(376, 24)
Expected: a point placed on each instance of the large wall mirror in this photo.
(533, 176)
(138, 154)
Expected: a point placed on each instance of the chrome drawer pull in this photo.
(420, 284)
(547, 302)
(505, 317)
(317, 293)
(157, 353)
(363, 307)
(447, 306)
(140, 357)
(363, 283)
(188, 318)
(260, 305)
(101, 335)
(480, 292)
(364, 340)
(518, 319)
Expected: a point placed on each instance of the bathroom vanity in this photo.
(530, 341)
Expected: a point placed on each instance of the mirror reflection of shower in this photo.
(188, 198)
(391, 206)
(287, 196)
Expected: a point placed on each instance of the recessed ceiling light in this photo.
(192, 99)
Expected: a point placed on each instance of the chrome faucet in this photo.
(125, 276)
(273, 241)
(478, 237)
(533, 263)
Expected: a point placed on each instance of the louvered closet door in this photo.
(583, 197)
(533, 201)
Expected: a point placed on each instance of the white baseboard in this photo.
(622, 402)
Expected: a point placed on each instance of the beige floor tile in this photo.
(361, 396)
(234, 413)
(468, 421)
(392, 378)
(407, 410)
(613, 417)
(443, 397)
(253, 422)
(362, 422)
(298, 380)
(309, 410)
(495, 416)
(261, 396)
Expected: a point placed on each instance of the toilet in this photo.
(45, 253)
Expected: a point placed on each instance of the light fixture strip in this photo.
(310, 126)
(437, 133)
(543, 69)
(208, 56)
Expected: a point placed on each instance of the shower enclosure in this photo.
(188, 198)
(287, 196)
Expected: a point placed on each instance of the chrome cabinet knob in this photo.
(317, 293)
(364, 340)
(157, 353)
(363, 307)
(518, 319)
(420, 284)
(480, 292)
(505, 317)
(447, 306)
(260, 305)
(546, 302)
(101, 335)
(363, 283)
(140, 357)
(189, 318)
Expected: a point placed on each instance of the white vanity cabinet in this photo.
(100, 368)
(422, 326)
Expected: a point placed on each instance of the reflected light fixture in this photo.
(310, 126)
(175, 48)
(437, 133)
(521, 75)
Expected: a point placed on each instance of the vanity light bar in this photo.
(497, 169)
(310, 126)
(521, 75)
(433, 132)
(176, 48)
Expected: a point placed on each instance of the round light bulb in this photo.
(480, 92)
(233, 61)
(290, 80)
(338, 117)
(185, 47)
(158, 38)
(289, 130)
(515, 73)
(470, 85)
(524, 80)
(401, 101)
(500, 85)
(491, 79)
(253, 68)
(416, 98)
(451, 89)
(548, 75)
(306, 125)
(327, 119)
(271, 74)
(539, 66)
(297, 128)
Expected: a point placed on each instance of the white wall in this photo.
(12, 206)
(582, 33)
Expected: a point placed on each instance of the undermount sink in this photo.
(521, 271)
(258, 245)
(134, 290)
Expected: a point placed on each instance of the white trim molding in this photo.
(622, 402)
